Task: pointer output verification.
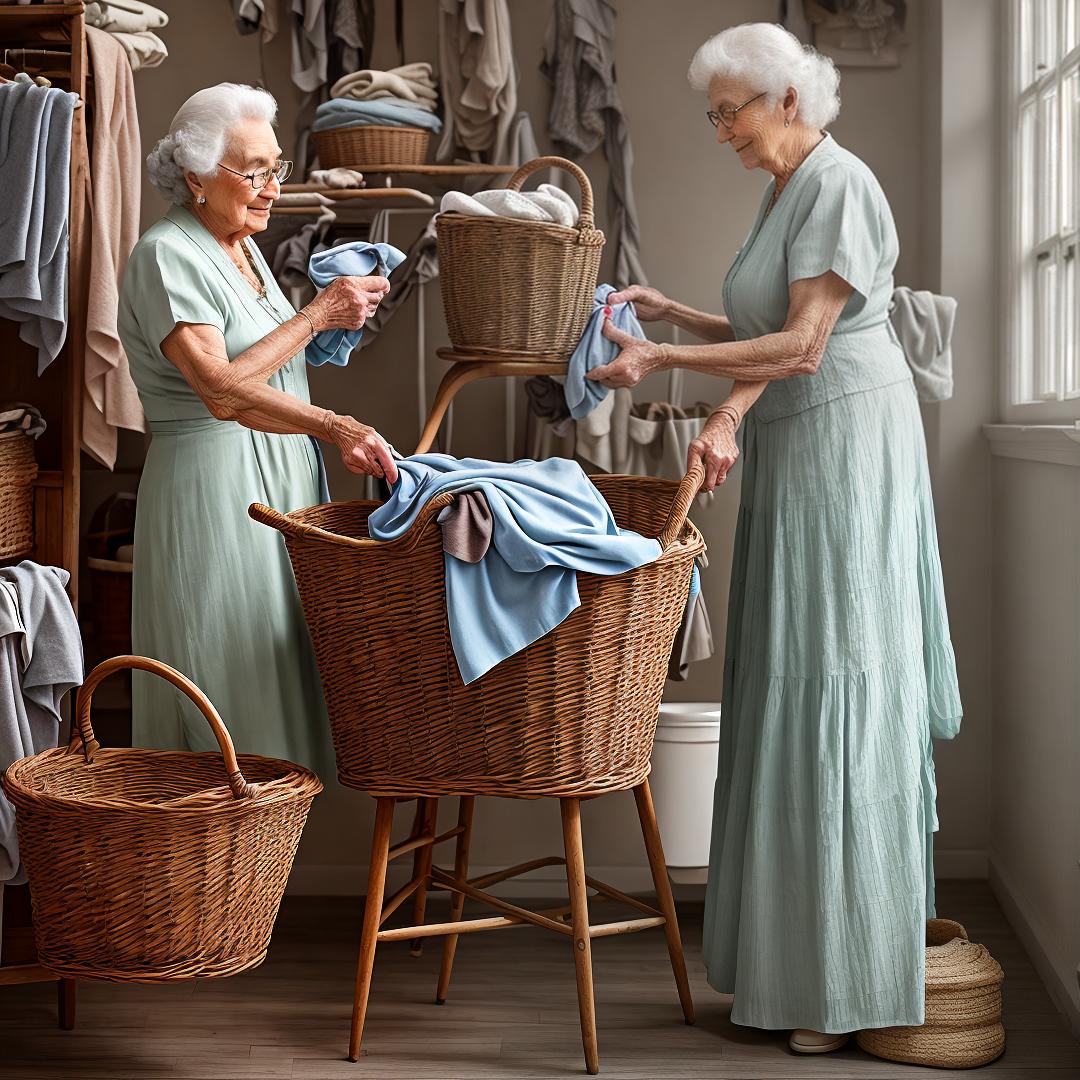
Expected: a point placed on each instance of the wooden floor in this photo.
(511, 1014)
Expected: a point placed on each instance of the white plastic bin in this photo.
(683, 775)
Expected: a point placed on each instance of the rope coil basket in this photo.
(962, 1027)
(516, 289)
(18, 472)
(153, 865)
(574, 712)
(371, 144)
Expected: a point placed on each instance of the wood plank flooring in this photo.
(511, 1014)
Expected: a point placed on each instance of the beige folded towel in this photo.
(413, 82)
(144, 50)
(336, 178)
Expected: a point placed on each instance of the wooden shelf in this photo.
(439, 170)
(373, 194)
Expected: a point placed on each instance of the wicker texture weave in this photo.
(18, 471)
(149, 865)
(575, 712)
(962, 1028)
(371, 144)
(519, 289)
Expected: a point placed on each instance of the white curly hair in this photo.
(199, 134)
(770, 58)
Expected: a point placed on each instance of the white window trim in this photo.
(1051, 412)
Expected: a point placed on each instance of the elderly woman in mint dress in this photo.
(839, 668)
(217, 354)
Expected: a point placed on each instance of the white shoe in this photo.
(807, 1041)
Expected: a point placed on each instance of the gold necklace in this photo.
(257, 284)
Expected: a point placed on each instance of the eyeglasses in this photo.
(258, 180)
(727, 113)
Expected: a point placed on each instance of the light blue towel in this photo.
(344, 112)
(594, 350)
(354, 259)
(549, 521)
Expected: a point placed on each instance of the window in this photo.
(1043, 286)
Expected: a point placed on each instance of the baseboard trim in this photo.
(1035, 938)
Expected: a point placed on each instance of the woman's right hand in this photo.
(363, 449)
(347, 302)
(649, 304)
(715, 448)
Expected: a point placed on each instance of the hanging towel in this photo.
(254, 16)
(579, 59)
(466, 526)
(144, 50)
(693, 640)
(414, 82)
(548, 521)
(35, 166)
(109, 229)
(354, 259)
(41, 659)
(127, 16)
(352, 34)
(595, 350)
(924, 325)
(309, 45)
(547, 204)
(395, 112)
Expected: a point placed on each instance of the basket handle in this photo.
(680, 505)
(82, 732)
(585, 219)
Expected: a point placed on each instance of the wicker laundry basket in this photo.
(18, 471)
(573, 713)
(962, 1027)
(519, 289)
(150, 865)
(371, 144)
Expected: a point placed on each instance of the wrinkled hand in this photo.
(649, 304)
(363, 449)
(347, 302)
(715, 448)
(636, 359)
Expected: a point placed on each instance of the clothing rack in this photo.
(55, 35)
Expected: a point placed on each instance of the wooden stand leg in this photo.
(579, 907)
(373, 902)
(427, 813)
(65, 1003)
(457, 900)
(655, 850)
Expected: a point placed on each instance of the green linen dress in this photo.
(839, 668)
(214, 593)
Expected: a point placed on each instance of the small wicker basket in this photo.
(371, 144)
(151, 865)
(519, 289)
(18, 471)
(962, 1027)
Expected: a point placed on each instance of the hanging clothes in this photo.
(352, 33)
(35, 131)
(586, 110)
(307, 19)
(109, 230)
(256, 16)
(923, 324)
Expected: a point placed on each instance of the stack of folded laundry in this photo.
(404, 96)
(132, 23)
(547, 204)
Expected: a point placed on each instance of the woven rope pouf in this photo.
(962, 1027)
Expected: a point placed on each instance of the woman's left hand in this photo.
(637, 359)
(363, 449)
(715, 448)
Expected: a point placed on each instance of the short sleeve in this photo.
(174, 286)
(837, 226)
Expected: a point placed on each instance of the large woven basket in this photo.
(371, 144)
(575, 712)
(18, 471)
(962, 1027)
(150, 865)
(519, 289)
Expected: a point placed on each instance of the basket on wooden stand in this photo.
(519, 290)
(154, 865)
(18, 471)
(371, 144)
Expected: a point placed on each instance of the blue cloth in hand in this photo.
(548, 521)
(354, 259)
(594, 350)
(345, 112)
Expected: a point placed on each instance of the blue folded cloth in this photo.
(594, 350)
(354, 259)
(344, 112)
(548, 521)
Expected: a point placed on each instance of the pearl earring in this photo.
(787, 123)
(202, 198)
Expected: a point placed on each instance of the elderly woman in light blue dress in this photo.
(839, 668)
(217, 355)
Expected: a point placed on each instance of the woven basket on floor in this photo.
(18, 471)
(371, 144)
(962, 1027)
(110, 608)
(152, 865)
(574, 712)
(519, 289)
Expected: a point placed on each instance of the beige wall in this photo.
(695, 205)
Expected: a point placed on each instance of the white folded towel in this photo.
(125, 16)
(336, 178)
(144, 50)
(547, 204)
